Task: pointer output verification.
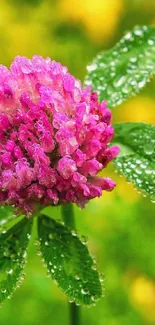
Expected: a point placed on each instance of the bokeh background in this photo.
(120, 225)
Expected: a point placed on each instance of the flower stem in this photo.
(68, 218)
(68, 215)
(74, 314)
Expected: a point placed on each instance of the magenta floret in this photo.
(54, 137)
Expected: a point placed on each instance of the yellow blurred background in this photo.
(121, 231)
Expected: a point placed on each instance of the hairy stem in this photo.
(68, 218)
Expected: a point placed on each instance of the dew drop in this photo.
(84, 291)
(141, 84)
(150, 42)
(36, 243)
(127, 88)
(148, 171)
(25, 254)
(77, 277)
(28, 236)
(84, 240)
(128, 36)
(50, 236)
(148, 149)
(138, 171)
(6, 253)
(93, 298)
(139, 181)
(92, 67)
(119, 81)
(133, 59)
(138, 32)
(94, 267)
(74, 233)
(9, 271)
(3, 232)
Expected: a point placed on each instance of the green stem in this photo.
(68, 215)
(74, 314)
(68, 218)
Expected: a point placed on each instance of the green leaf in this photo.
(137, 157)
(13, 245)
(121, 72)
(7, 217)
(6, 212)
(69, 262)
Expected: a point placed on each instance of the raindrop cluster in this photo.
(13, 257)
(137, 162)
(125, 69)
(68, 262)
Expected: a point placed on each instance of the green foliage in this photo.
(69, 262)
(6, 213)
(123, 70)
(13, 245)
(137, 158)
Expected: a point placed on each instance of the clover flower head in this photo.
(54, 136)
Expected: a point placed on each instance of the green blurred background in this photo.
(120, 225)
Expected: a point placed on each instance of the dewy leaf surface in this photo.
(13, 246)
(69, 262)
(7, 215)
(137, 157)
(121, 72)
